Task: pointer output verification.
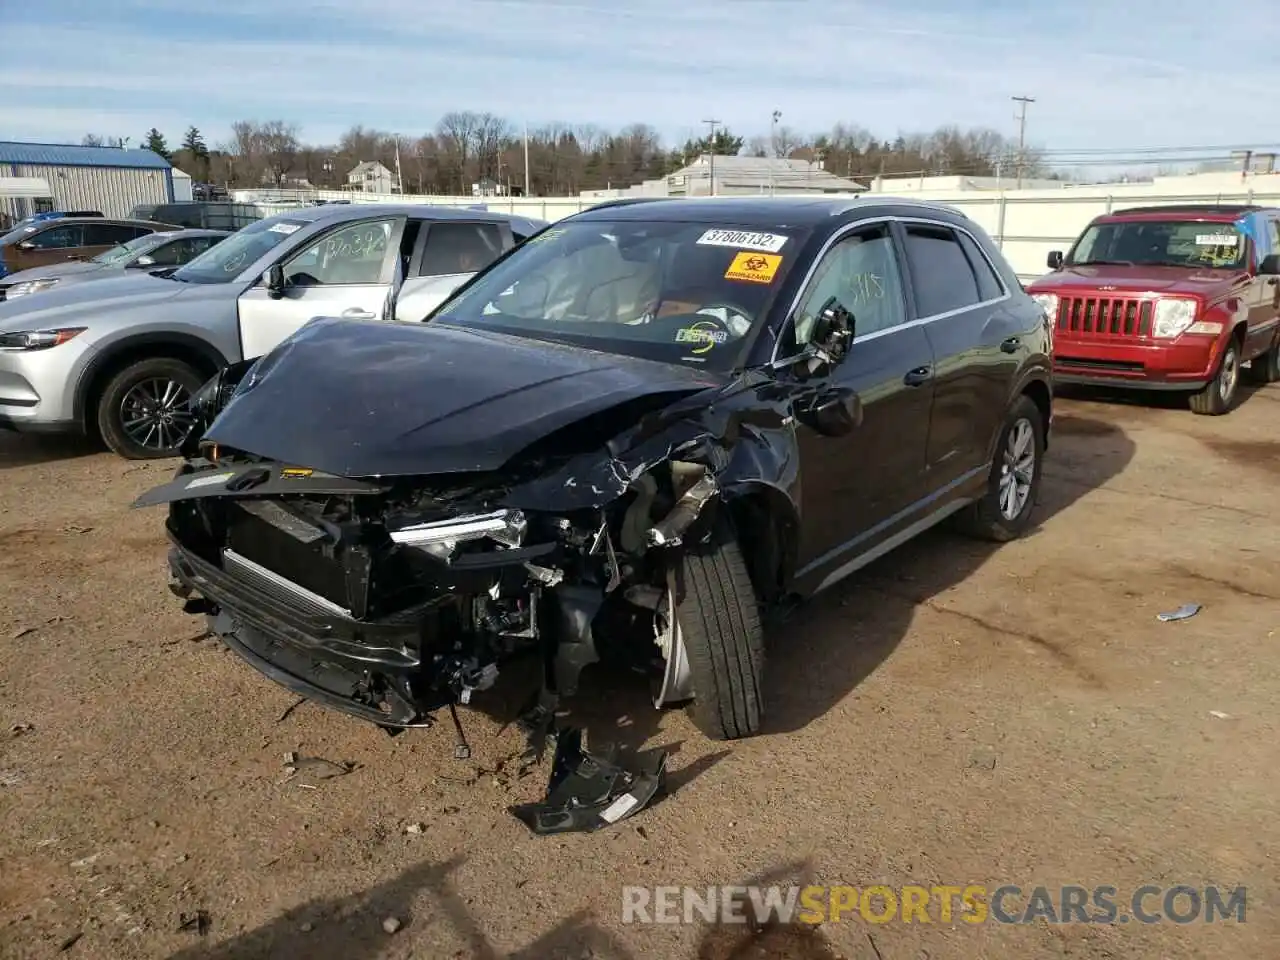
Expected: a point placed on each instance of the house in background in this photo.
(371, 177)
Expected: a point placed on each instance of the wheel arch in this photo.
(198, 353)
(767, 524)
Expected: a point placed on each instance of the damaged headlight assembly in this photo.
(440, 538)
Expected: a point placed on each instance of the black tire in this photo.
(128, 386)
(985, 519)
(1220, 393)
(724, 641)
(1265, 368)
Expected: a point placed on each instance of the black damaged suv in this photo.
(636, 433)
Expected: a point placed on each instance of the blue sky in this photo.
(1105, 74)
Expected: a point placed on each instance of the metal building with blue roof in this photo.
(112, 180)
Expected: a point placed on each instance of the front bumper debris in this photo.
(586, 792)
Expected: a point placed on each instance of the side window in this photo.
(940, 273)
(199, 245)
(172, 254)
(459, 248)
(989, 285)
(57, 238)
(1273, 235)
(351, 254)
(861, 272)
(109, 234)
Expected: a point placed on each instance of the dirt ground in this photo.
(956, 714)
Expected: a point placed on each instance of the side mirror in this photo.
(1270, 265)
(832, 413)
(1055, 260)
(274, 279)
(144, 261)
(833, 331)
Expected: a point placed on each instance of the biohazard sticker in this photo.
(754, 267)
(743, 240)
(1216, 240)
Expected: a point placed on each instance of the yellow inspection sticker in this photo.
(754, 267)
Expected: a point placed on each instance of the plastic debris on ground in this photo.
(586, 792)
(1184, 612)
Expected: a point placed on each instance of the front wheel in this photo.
(143, 413)
(1004, 512)
(722, 638)
(1217, 398)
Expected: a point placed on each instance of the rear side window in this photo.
(941, 275)
(65, 237)
(459, 248)
(109, 234)
(989, 285)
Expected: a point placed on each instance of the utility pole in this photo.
(526, 159)
(1022, 132)
(773, 146)
(711, 143)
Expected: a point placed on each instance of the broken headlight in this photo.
(441, 537)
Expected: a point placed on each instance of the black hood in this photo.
(362, 399)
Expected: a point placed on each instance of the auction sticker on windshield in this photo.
(754, 267)
(285, 228)
(1216, 240)
(743, 240)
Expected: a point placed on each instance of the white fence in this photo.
(1027, 224)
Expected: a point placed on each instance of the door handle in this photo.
(918, 376)
(1010, 345)
(357, 313)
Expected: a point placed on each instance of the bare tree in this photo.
(457, 132)
(279, 144)
(786, 141)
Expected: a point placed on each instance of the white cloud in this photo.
(1104, 74)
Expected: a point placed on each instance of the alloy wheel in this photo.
(154, 414)
(1229, 374)
(1018, 468)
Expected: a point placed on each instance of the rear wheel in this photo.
(1265, 368)
(1218, 396)
(142, 414)
(720, 638)
(1004, 512)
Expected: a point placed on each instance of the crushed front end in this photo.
(390, 600)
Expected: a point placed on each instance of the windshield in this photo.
(225, 261)
(676, 292)
(124, 251)
(1173, 243)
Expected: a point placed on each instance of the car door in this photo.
(448, 253)
(856, 487)
(344, 272)
(52, 244)
(964, 308)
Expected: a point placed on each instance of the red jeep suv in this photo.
(1169, 298)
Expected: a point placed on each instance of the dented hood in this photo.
(360, 399)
